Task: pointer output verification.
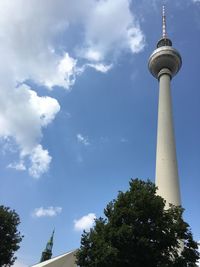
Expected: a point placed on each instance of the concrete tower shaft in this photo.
(164, 64)
(167, 179)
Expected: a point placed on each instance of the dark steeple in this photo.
(164, 41)
(47, 253)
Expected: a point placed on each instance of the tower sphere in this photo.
(167, 57)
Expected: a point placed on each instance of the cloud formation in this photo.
(19, 166)
(46, 212)
(83, 140)
(111, 27)
(85, 222)
(23, 114)
(34, 50)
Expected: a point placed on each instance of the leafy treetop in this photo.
(10, 237)
(138, 231)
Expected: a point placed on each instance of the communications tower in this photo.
(164, 63)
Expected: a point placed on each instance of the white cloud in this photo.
(111, 27)
(93, 55)
(28, 46)
(65, 73)
(83, 140)
(135, 39)
(19, 166)
(45, 107)
(31, 47)
(100, 67)
(27, 50)
(85, 222)
(47, 212)
(195, 1)
(23, 114)
(40, 161)
(34, 48)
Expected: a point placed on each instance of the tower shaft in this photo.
(167, 179)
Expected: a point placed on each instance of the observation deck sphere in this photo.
(164, 57)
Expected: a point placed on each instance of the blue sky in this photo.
(78, 110)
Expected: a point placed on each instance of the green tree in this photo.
(10, 237)
(139, 232)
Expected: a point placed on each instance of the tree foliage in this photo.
(138, 231)
(10, 237)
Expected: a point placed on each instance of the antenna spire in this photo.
(164, 41)
(164, 33)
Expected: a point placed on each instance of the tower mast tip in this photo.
(164, 32)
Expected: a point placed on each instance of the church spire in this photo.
(47, 253)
